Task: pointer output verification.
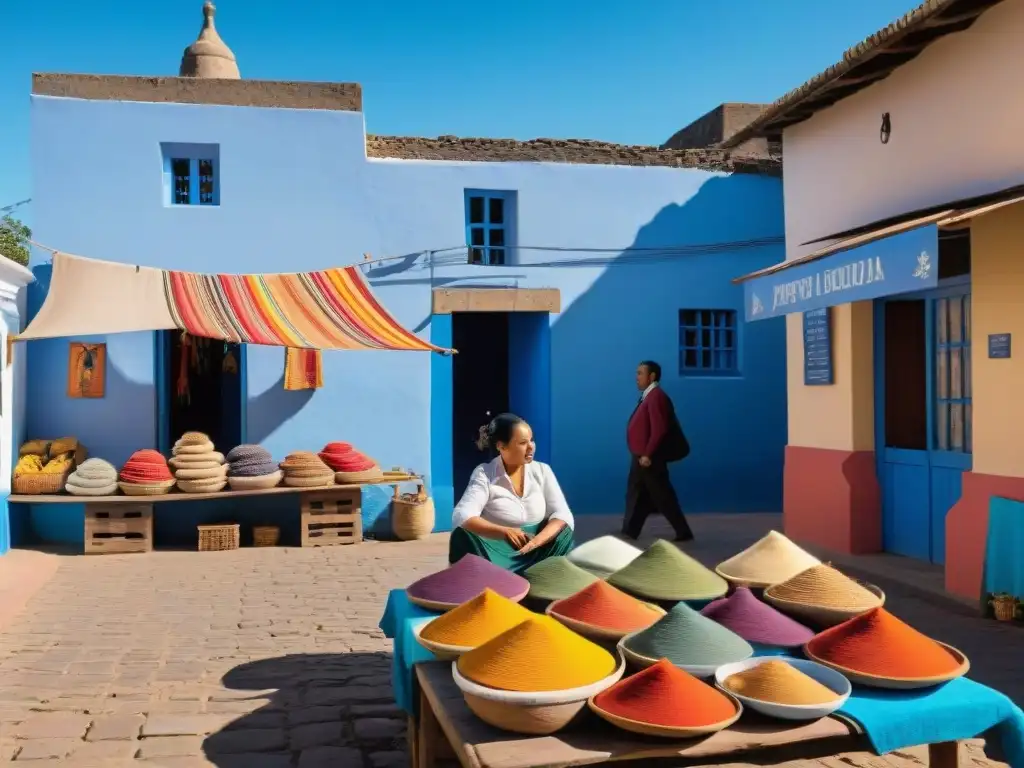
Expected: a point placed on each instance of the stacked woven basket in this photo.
(146, 474)
(252, 468)
(349, 465)
(94, 477)
(303, 469)
(198, 468)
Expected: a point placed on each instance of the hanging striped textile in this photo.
(303, 369)
(330, 309)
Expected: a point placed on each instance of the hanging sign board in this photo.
(818, 347)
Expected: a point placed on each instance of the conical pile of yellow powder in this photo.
(825, 587)
(475, 621)
(779, 683)
(537, 655)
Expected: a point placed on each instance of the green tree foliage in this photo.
(14, 237)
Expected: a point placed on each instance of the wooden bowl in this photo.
(536, 714)
(898, 683)
(664, 731)
(819, 615)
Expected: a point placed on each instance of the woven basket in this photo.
(265, 535)
(1004, 608)
(412, 515)
(219, 538)
(36, 483)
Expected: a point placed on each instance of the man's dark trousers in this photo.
(649, 489)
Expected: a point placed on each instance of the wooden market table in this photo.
(330, 515)
(446, 726)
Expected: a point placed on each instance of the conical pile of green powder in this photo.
(663, 572)
(687, 639)
(555, 578)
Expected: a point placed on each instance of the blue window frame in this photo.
(490, 225)
(191, 174)
(708, 343)
(952, 394)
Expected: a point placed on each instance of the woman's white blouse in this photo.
(491, 495)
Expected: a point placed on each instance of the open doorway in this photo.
(480, 379)
(203, 389)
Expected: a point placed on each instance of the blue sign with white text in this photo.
(817, 347)
(900, 263)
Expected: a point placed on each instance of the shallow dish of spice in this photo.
(788, 689)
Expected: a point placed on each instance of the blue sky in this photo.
(631, 72)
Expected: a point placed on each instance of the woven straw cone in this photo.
(192, 450)
(771, 560)
(304, 460)
(214, 473)
(303, 473)
(202, 486)
(89, 482)
(96, 469)
(193, 438)
(148, 489)
(309, 482)
(374, 473)
(197, 460)
(110, 489)
(257, 483)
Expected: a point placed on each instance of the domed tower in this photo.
(208, 56)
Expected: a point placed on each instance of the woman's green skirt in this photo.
(500, 552)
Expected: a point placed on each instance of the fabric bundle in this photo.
(93, 477)
(252, 468)
(146, 474)
(303, 369)
(303, 469)
(197, 467)
(349, 465)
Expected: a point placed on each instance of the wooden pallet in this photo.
(333, 518)
(118, 529)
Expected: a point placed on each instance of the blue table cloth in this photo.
(960, 709)
(1004, 568)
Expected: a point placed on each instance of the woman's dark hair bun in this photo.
(498, 430)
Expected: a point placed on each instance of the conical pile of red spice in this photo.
(603, 606)
(878, 644)
(667, 696)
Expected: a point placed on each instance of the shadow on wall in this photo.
(309, 693)
(736, 423)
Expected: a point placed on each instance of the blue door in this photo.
(922, 414)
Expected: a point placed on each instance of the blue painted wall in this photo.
(298, 193)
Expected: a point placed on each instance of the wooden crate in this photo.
(332, 517)
(116, 529)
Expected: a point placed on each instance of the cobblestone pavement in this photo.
(259, 658)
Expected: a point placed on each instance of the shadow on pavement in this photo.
(321, 710)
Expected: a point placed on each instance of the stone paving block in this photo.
(103, 752)
(170, 746)
(183, 725)
(392, 759)
(53, 725)
(115, 727)
(232, 742)
(303, 715)
(317, 735)
(331, 757)
(374, 729)
(46, 749)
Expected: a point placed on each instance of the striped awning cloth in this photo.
(328, 309)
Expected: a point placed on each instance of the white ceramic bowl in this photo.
(827, 677)
(541, 713)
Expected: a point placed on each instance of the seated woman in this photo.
(513, 513)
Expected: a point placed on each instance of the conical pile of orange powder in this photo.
(602, 605)
(476, 621)
(536, 655)
(876, 643)
(665, 695)
(777, 682)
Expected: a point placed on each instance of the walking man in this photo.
(654, 438)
